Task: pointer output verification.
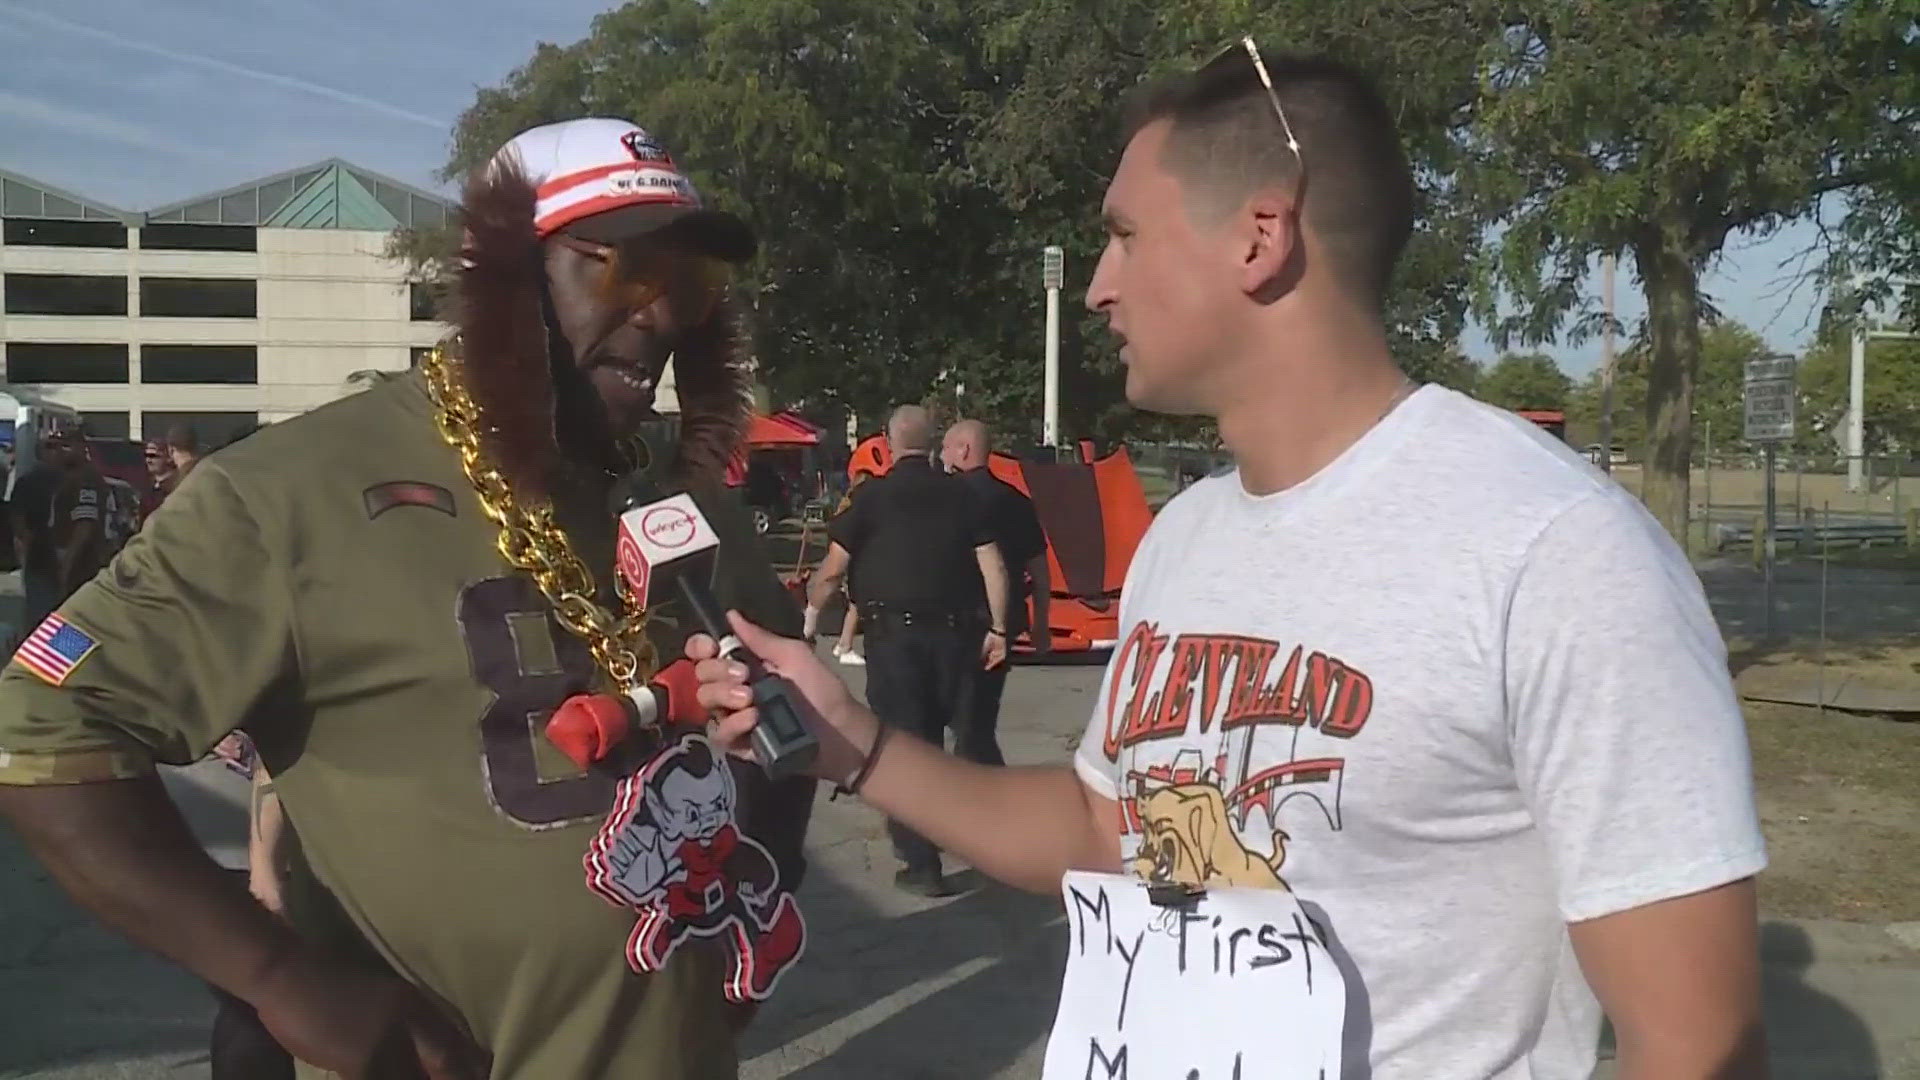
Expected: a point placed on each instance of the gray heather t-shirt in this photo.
(1455, 691)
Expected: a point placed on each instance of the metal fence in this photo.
(1846, 554)
(1728, 492)
(1815, 497)
(1166, 469)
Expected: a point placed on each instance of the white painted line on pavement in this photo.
(820, 1042)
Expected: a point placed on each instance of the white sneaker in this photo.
(851, 658)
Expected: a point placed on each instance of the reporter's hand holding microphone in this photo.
(847, 731)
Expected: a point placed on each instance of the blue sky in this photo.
(139, 104)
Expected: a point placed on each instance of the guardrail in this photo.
(1804, 537)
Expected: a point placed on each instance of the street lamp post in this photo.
(1857, 389)
(1053, 275)
(1606, 372)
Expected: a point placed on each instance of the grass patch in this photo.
(1841, 809)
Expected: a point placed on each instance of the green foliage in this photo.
(1718, 410)
(905, 162)
(1525, 381)
(1657, 129)
(1892, 396)
(1451, 368)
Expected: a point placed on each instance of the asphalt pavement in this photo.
(892, 987)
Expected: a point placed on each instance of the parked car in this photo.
(1618, 457)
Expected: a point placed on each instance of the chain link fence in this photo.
(1845, 544)
(1818, 499)
(1165, 469)
(1812, 492)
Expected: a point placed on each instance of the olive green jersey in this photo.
(332, 586)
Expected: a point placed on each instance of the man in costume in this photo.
(391, 595)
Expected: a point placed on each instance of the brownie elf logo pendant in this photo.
(672, 851)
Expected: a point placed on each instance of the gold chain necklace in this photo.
(531, 540)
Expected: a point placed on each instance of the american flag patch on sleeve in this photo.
(54, 649)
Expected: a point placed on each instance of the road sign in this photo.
(1770, 399)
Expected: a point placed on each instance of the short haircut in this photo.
(183, 438)
(1227, 144)
(910, 429)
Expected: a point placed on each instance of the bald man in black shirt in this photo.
(1015, 529)
(919, 545)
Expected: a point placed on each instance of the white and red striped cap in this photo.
(609, 180)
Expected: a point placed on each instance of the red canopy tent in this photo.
(782, 429)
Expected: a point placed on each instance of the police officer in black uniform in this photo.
(1016, 531)
(919, 547)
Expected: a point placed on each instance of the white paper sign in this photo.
(1235, 986)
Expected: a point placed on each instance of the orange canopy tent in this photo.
(1094, 513)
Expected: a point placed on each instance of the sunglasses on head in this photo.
(1246, 46)
(638, 273)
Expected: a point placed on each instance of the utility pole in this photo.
(1606, 367)
(1857, 406)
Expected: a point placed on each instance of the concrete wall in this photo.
(329, 305)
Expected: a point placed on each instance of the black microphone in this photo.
(667, 535)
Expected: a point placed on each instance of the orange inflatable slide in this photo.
(1094, 513)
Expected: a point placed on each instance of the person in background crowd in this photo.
(184, 449)
(81, 521)
(161, 476)
(844, 649)
(918, 546)
(31, 513)
(1016, 529)
(9, 554)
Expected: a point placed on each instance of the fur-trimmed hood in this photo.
(504, 347)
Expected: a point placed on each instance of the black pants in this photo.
(974, 726)
(918, 680)
(241, 1047)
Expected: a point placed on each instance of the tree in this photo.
(836, 128)
(1892, 396)
(906, 160)
(1719, 403)
(1525, 381)
(1657, 129)
(1450, 368)
(1051, 142)
(1719, 400)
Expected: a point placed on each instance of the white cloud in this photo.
(216, 64)
(80, 122)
